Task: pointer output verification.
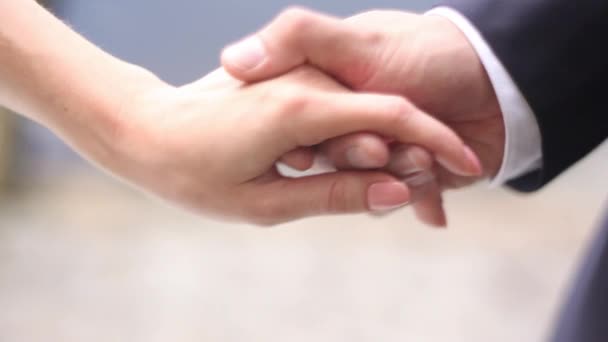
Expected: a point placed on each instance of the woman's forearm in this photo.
(54, 76)
(211, 145)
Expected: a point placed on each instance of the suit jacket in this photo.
(557, 53)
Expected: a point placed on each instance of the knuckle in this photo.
(293, 102)
(280, 101)
(336, 197)
(295, 12)
(367, 34)
(371, 37)
(290, 110)
(399, 112)
(295, 18)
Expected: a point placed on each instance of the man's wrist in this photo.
(489, 151)
(522, 147)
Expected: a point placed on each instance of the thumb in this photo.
(299, 36)
(288, 199)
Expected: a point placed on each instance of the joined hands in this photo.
(389, 97)
(424, 58)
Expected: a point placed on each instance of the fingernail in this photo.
(476, 168)
(246, 54)
(472, 168)
(360, 159)
(387, 196)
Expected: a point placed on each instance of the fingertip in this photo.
(435, 219)
(368, 153)
(476, 166)
(441, 221)
(430, 210)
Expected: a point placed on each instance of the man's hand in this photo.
(424, 58)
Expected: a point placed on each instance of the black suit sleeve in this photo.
(557, 53)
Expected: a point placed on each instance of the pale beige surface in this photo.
(84, 259)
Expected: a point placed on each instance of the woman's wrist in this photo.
(114, 125)
(76, 89)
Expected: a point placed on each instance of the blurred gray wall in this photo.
(180, 40)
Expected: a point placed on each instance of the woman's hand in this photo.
(211, 146)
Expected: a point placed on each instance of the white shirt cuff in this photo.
(523, 147)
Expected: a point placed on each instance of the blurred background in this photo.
(85, 258)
